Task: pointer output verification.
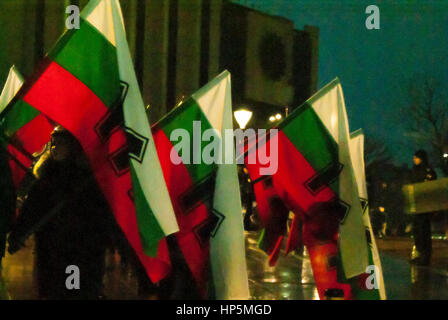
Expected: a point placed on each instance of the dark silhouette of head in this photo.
(63, 145)
(420, 157)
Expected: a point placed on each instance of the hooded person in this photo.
(421, 224)
(71, 220)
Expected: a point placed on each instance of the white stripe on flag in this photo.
(12, 85)
(227, 247)
(357, 155)
(329, 105)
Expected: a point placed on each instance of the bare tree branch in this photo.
(375, 152)
(427, 111)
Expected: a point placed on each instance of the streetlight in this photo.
(445, 155)
(275, 117)
(242, 116)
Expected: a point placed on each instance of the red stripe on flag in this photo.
(289, 180)
(294, 239)
(273, 257)
(17, 172)
(62, 97)
(66, 100)
(178, 181)
(35, 134)
(321, 254)
(32, 136)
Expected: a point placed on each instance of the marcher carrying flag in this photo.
(87, 84)
(315, 180)
(205, 191)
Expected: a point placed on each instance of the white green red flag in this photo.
(315, 180)
(87, 84)
(155, 213)
(12, 86)
(329, 106)
(357, 154)
(227, 246)
(7, 190)
(23, 130)
(205, 194)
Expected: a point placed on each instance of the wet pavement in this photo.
(291, 279)
(406, 281)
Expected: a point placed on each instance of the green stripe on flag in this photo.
(182, 118)
(309, 135)
(363, 294)
(150, 231)
(262, 241)
(17, 117)
(91, 58)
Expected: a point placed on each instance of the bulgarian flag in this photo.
(7, 192)
(357, 155)
(315, 180)
(23, 130)
(227, 245)
(205, 191)
(87, 84)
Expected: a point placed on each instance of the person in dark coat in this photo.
(70, 218)
(421, 226)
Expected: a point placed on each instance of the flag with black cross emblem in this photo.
(315, 180)
(205, 194)
(358, 287)
(87, 84)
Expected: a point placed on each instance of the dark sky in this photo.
(374, 66)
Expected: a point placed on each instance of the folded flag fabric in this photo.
(360, 291)
(205, 194)
(315, 180)
(7, 190)
(23, 130)
(87, 84)
(12, 86)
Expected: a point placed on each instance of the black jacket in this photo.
(66, 210)
(7, 200)
(422, 172)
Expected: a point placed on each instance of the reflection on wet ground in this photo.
(406, 281)
(290, 279)
(409, 282)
